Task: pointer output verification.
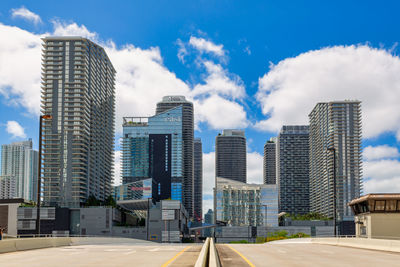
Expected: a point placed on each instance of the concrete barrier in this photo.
(365, 243)
(20, 244)
(213, 259)
(203, 256)
(7, 245)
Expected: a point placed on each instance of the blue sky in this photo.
(251, 66)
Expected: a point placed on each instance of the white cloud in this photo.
(26, 14)
(15, 129)
(62, 28)
(380, 152)
(382, 176)
(20, 58)
(254, 168)
(182, 51)
(290, 90)
(220, 113)
(247, 50)
(219, 81)
(207, 46)
(117, 168)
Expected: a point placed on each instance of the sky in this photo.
(245, 65)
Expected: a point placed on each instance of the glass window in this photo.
(398, 205)
(379, 205)
(391, 205)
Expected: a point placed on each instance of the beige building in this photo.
(8, 215)
(377, 216)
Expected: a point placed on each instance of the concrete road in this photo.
(307, 254)
(129, 254)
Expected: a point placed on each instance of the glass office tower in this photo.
(152, 147)
(269, 167)
(78, 91)
(198, 180)
(169, 102)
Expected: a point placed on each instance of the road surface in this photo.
(128, 254)
(306, 254)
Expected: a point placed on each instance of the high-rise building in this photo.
(19, 163)
(208, 219)
(8, 187)
(240, 204)
(198, 180)
(167, 103)
(152, 148)
(78, 91)
(293, 169)
(335, 125)
(230, 155)
(269, 170)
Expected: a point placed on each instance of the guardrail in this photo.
(213, 258)
(20, 244)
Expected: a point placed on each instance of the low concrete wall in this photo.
(20, 244)
(365, 243)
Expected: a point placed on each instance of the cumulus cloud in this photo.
(254, 168)
(220, 113)
(26, 14)
(382, 176)
(219, 81)
(182, 51)
(62, 28)
(380, 152)
(206, 46)
(290, 90)
(142, 79)
(20, 62)
(15, 129)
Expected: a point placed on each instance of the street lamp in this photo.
(334, 188)
(42, 117)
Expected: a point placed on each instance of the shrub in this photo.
(260, 240)
(239, 242)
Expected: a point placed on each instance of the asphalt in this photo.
(308, 254)
(105, 255)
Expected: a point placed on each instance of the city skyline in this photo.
(204, 62)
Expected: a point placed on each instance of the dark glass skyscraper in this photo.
(269, 170)
(198, 180)
(167, 103)
(230, 155)
(293, 169)
(152, 148)
(78, 91)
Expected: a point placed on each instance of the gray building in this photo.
(169, 102)
(335, 125)
(230, 155)
(240, 204)
(78, 91)
(19, 163)
(198, 180)
(293, 169)
(269, 167)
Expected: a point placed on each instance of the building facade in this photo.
(240, 204)
(78, 91)
(198, 180)
(19, 171)
(269, 167)
(169, 102)
(152, 147)
(230, 155)
(335, 125)
(293, 169)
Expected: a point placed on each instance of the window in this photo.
(390, 205)
(379, 205)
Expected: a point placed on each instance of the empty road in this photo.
(122, 254)
(307, 254)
